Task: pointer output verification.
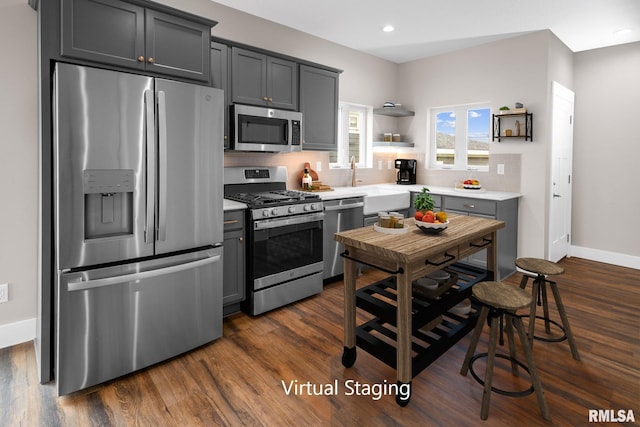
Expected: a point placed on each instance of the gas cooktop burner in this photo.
(272, 198)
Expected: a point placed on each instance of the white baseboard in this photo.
(606, 257)
(18, 332)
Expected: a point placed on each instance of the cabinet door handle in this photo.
(264, 98)
(270, 99)
(140, 58)
(241, 239)
(231, 221)
(151, 60)
(469, 206)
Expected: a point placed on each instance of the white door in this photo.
(561, 155)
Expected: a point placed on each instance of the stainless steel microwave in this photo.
(265, 129)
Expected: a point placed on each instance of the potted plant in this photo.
(504, 110)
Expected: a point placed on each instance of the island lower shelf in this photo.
(430, 338)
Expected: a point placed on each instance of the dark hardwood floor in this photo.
(238, 379)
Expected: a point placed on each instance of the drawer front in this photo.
(471, 206)
(233, 220)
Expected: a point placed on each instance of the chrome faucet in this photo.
(353, 171)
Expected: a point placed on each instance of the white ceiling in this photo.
(430, 27)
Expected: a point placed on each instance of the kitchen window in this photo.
(354, 136)
(460, 137)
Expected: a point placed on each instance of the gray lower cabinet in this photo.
(123, 34)
(319, 106)
(234, 290)
(220, 80)
(506, 211)
(259, 79)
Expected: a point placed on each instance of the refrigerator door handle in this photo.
(149, 229)
(82, 285)
(162, 166)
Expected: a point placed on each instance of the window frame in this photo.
(461, 133)
(366, 144)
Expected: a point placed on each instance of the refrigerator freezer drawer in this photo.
(117, 320)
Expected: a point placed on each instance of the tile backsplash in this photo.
(509, 181)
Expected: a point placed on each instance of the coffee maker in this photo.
(406, 171)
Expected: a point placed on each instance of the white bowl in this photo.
(439, 276)
(431, 227)
(428, 283)
(462, 307)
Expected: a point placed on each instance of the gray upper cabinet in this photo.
(259, 79)
(123, 34)
(220, 79)
(319, 106)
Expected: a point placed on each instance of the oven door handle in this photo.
(281, 222)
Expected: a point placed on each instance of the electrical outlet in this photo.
(389, 164)
(4, 292)
(500, 169)
(318, 166)
(380, 164)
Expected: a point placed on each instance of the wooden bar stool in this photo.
(500, 301)
(543, 268)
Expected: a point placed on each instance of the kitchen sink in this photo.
(383, 200)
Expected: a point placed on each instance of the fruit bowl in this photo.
(431, 227)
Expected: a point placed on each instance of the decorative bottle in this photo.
(306, 180)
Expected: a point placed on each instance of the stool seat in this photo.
(543, 268)
(499, 295)
(539, 266)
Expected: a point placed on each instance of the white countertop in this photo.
(231, 205)
(364, 190)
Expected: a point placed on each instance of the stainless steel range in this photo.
(284, 250)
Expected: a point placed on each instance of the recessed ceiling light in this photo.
(388, 28)
(622, 32)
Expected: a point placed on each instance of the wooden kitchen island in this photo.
(396, 334)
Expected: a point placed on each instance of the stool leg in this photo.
(512, 345)
(565, 321)
(532, 312)
(523, 281)
(533, 372)
(484, 311)
(545, 305)
(488, 375)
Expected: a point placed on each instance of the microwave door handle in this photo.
(287, 135)
(162, 166)
(149, 229)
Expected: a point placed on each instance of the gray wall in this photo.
(606, 191)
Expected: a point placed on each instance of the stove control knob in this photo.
(307, 207)
(265, 212)
(292, 209)
(314, 207)
(274, 211)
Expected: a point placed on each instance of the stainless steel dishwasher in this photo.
(340, 215)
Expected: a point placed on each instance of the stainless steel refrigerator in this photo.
(138, 166)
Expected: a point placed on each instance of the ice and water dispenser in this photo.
(108, 203)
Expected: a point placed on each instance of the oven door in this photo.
(284, 249)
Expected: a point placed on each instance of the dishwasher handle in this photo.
(343, 207)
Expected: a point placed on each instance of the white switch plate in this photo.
(389, 164)
(500, 169)
(318, 166)
(4, 292)
(380, 164)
